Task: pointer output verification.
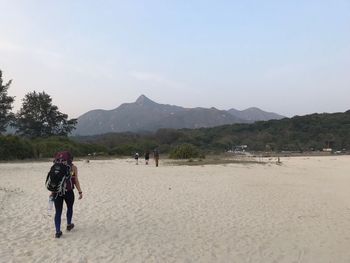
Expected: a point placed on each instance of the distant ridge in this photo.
(255, 114)
(146, 115)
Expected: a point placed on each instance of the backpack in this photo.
(60, 173)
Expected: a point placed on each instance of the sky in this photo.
(288, 57)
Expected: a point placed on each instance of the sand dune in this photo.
(295, 212)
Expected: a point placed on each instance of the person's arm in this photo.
(77, 184)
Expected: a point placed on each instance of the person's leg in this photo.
(69, 199)
(58, 207)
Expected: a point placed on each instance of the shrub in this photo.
(12, 147)
(184, 151)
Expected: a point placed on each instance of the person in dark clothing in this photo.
(136, 156)
(68, 198)
(146, 157)
(156, 156)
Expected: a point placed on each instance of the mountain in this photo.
(146, 115)
(197, 118)
(255, 114)
(127, 117)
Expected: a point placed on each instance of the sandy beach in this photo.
(295, 212)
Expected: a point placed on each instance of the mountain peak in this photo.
(253, 109)
(142, 100)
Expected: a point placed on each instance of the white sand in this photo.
(296, 212)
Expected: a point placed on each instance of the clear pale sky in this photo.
(289, 57)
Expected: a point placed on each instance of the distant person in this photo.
(61, 180)
(136, 158)
(146, 157)
(156, 156)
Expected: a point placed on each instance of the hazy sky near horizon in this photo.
(289, 57)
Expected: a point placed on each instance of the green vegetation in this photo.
(38, 123)
(184, 151)
(39, 118)
(5, 104)
(13, 147)
(17, 148)
(300, 133)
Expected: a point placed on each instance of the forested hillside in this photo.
(300, 133)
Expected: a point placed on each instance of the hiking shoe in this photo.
(70, 227)
(58, 234)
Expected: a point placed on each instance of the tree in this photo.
(5, 104)
(184, 151)
(39, 118)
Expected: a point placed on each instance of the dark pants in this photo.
(69, 199)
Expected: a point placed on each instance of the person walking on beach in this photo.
(146, 157)
(137, 158)
(66, 192)
(156, 156)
